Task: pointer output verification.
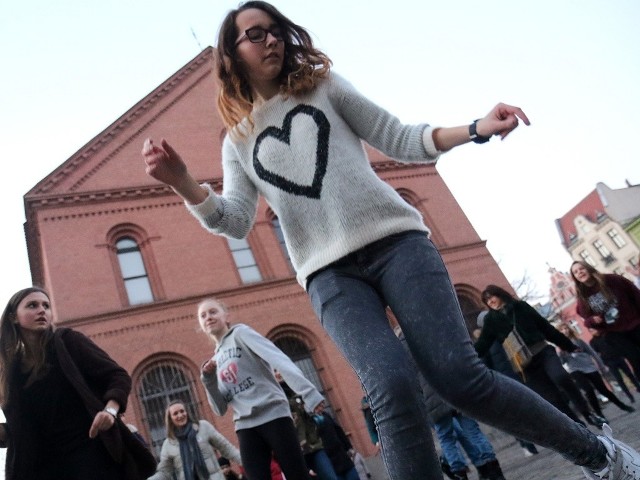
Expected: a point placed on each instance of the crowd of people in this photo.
(358, 250)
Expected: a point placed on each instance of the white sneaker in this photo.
(527, 453)
(624, 461)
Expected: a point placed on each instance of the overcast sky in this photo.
(70, 68)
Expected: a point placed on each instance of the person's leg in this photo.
(281, 436)
(582, 382)
(627, 344)
(596, 380)
(354, 316)
(410, 274)
(446, 433)
(417, 286)
(624, 367)
(322, 465)
(538, 381)
(351, 474)
(615, 369)
(473, 441)
(255, 453)
(558, 375)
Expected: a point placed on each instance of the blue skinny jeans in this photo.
(457, 431)
(405, 272)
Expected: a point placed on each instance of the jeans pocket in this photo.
(322, 289)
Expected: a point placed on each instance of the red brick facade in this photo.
(101, 194)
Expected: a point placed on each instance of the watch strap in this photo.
(473, 134)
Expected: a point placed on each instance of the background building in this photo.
(603, 229)
(127, 265)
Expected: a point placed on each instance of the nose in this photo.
(270, 39)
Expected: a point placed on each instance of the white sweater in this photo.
(305, 156)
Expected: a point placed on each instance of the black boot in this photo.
(461, 475)
(490, 471)
(595, 420)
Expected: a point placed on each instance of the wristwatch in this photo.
(473, 134)
(111, 411)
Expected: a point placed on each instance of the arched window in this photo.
(301, 356)
(244, 259)
(160, 384)
(470, 311)
(134, 273)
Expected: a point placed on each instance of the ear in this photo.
(226, 61)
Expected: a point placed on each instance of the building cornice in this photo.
(162, 306)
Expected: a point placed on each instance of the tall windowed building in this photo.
(603, 229)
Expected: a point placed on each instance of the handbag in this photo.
(519, 354)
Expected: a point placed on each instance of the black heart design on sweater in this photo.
(284, 135)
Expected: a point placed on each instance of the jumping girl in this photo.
(295, 132)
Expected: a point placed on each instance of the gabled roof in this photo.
(590, 207)
(622, 204)
(182, 109)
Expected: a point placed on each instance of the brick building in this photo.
(126, 264)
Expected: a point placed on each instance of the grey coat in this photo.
(208, 439)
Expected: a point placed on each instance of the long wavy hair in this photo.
(168, 422)
(12, 346)
(303, 64)
(582, 289)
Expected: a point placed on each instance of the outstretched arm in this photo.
(501, 120)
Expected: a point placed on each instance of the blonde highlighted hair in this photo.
(303, 64)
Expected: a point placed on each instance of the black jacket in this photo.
(97, 378)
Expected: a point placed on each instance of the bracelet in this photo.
(473, 134)
(111, 411)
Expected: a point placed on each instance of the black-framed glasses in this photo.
(259, 34)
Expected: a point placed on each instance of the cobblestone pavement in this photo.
(547, 465)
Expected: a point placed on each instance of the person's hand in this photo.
(501, 120)
(597, 319)
(101, 422)
(209, 367)
(163, 163)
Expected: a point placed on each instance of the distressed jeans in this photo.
(406, 273)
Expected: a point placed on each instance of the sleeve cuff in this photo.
(209, 207)
(427, 141)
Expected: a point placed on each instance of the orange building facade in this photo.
(126, 264)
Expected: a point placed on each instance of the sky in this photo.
(71, 68)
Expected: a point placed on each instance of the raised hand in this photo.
(501, 120)
(209, 367)
(163, 163)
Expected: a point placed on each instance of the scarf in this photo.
(192, 461)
